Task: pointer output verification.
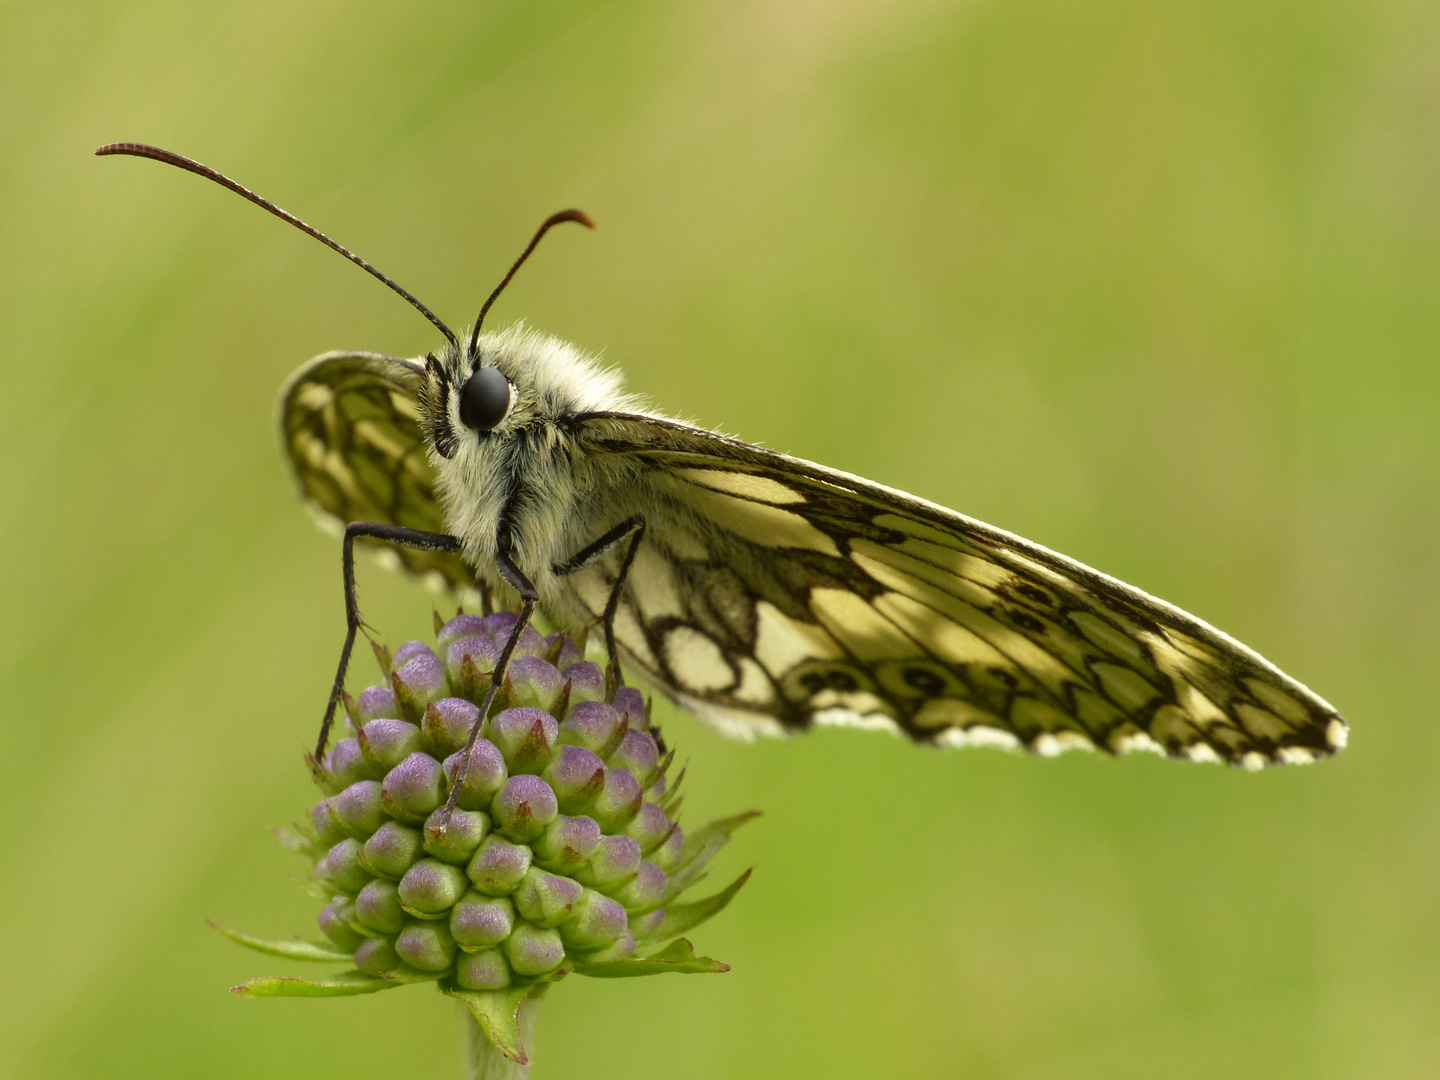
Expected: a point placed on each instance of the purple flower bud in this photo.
(498, 866)
(447, 724)
(328, 829)
(417, 682)
(468, 663)
(413, 788)
(358, 808)
(482, 922)
(614, 862)
(347, 764)
(523, 808)
(427, 946)
(566, 843)
(387, 742)
(377, 908)
(334, 927)
(563, 650)
(431, 887)
(500, 624)
(631, 704)
(546, 899)
(392, 850)
(530, 643)
(377, 956)
(587, 682)
(668, 853)
(456, 840)
(535, 681)
(638, 753)
(647, 923)
(488, 970)
(534, 950)
(375, 702)
(576, 776)
(645, 889)
(593, 725)
(526, 737)
(408, 651)
(619, 800)
(622, 948)
(650, 828)
(459, 627)
(341, 869)
(485, 774)
(597, 922)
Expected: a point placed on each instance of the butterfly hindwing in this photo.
(774, 593)
(350, 426)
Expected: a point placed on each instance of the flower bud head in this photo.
(358, 808)
(525, 737)
(498, 866)
(447, 724)
(567, 843)
(593, 725)
(576, 775)
(431, 887)
(546, 899)
(480, 921)
(596, 922)
(615, 861)
(378, 908)
(392, 850)
(619, 800)
(427, 946)
(485, 774)
(522, 809)
(455, 841)
(488, 970)
(534, 950)
(387, 742)
(413, 788)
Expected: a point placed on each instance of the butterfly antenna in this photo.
(157, 154)
(548, 224)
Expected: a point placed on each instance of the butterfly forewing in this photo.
(349, 423)
(771, 592)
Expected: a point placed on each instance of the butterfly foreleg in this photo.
(394, 534)
(632, 529)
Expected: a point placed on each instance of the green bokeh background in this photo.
(1157, 285)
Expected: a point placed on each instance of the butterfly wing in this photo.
(350, 426)
(771, 593)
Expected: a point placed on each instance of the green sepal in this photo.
(699, 848)
(497, 1012)
(679, 957)
(681, 918)
(290, 948)
(346, 984)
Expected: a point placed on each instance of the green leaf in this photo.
(699, 848)
(497, 1012)
(290, 949)
(681, 918)
(679, 957)
(342, 985)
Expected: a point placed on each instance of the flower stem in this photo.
(484, 1060)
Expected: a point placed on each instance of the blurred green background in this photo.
(1157, 285)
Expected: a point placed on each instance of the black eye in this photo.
(484, 399)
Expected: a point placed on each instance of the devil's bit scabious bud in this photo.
(560, 855)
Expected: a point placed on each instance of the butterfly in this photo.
(762, 592)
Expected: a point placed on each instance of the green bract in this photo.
(562, 853)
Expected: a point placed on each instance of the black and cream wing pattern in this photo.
(350, 427)
(770, 593)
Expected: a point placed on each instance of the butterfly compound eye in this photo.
(484, 399)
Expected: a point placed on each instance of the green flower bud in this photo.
(414, 787)
(596, 922)
(615, 861)
(499, 866)
(522, 809)
(468, 664)
(484, 775)
(328, 829)
(668, 853)
(392, 850)
(488, 970)
(408, 651)
(430, 888)
(455, 841)
(593, 725)
(650, 827)
(644, 890)
(375, 702)
(619, 800)
(525, 737)
(622, 948)
(576, 776)
(334, 927)
(347, 763)
(341, 868)
(561, 650)
(481, 922)
(377, 956)
(638, 754)
(447, 724)
(534, 950)
(417, 682)
(648, 923)
(535, 681)
(358, 808)
(387, 742)
(546, 899)
(567, 843)
(630, 703)
(378, 908)
(587, 682)
(427, 946)
(462, 626)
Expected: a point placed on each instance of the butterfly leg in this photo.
(633, 529)
(394, 534)
(516, 579)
